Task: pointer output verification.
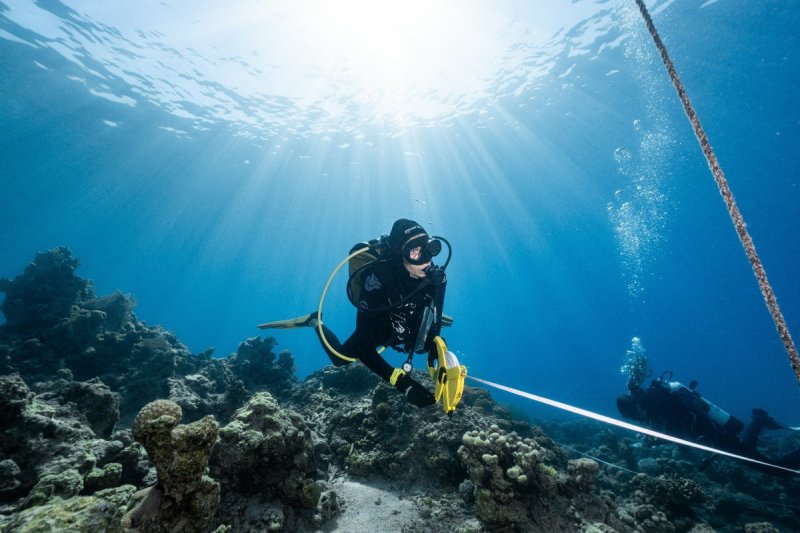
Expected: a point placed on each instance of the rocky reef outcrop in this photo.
(44, 294)
(509, 475)
(110, 424)
(102, 511)
(183, 497)
(662, 487)
(56, 322)
(49, 446)
(266, 463)
(514, 484)
(369, 429)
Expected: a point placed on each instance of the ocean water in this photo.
(218, 162)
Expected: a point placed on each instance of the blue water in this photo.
(218, 164)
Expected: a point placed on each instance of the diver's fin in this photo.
(770, 423)
(446, 320)
(299, 322)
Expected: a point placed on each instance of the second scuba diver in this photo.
(399, 296)
(678, 410)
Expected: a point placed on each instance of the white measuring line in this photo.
(626, 425)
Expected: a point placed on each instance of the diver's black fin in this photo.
(769, 422)
(299, 322)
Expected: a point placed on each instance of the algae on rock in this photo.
(183, 497)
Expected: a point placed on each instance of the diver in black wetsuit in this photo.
(408, 276)
(678, 410)
(393, 294)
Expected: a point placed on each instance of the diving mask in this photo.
(421, 249)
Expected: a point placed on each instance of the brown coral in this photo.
(183, 497)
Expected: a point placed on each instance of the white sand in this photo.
(371, 509)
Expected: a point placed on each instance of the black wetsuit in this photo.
(378, 323)
(683, 412)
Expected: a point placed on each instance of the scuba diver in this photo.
(399, 294)
(673, 408)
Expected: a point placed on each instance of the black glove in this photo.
(415, 393)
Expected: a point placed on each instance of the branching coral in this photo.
(669, 491)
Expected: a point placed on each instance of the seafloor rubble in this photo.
(109, 424)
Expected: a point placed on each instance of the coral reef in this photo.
(183, 498)
(45, 293)
(101, 511)
(256, 365)
(675, 489)
(669, 490)
(371, 430)
(266, 464)
(55, 321)
(110, 425)
(514, 487)
(49, 447)
(95, 402)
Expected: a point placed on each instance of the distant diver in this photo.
(679, 410)
(399, 295)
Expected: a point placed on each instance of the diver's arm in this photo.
(377, 364)
(362, 343)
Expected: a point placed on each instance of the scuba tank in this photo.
(694, 401)
(376, 249)
(714, 413)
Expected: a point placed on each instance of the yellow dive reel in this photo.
(448, 375)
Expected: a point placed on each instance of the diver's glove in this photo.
(415, 393)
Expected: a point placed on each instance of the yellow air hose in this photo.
(322, 301)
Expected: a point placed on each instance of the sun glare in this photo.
(376, 38)
(311, 65)
(389, 52)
